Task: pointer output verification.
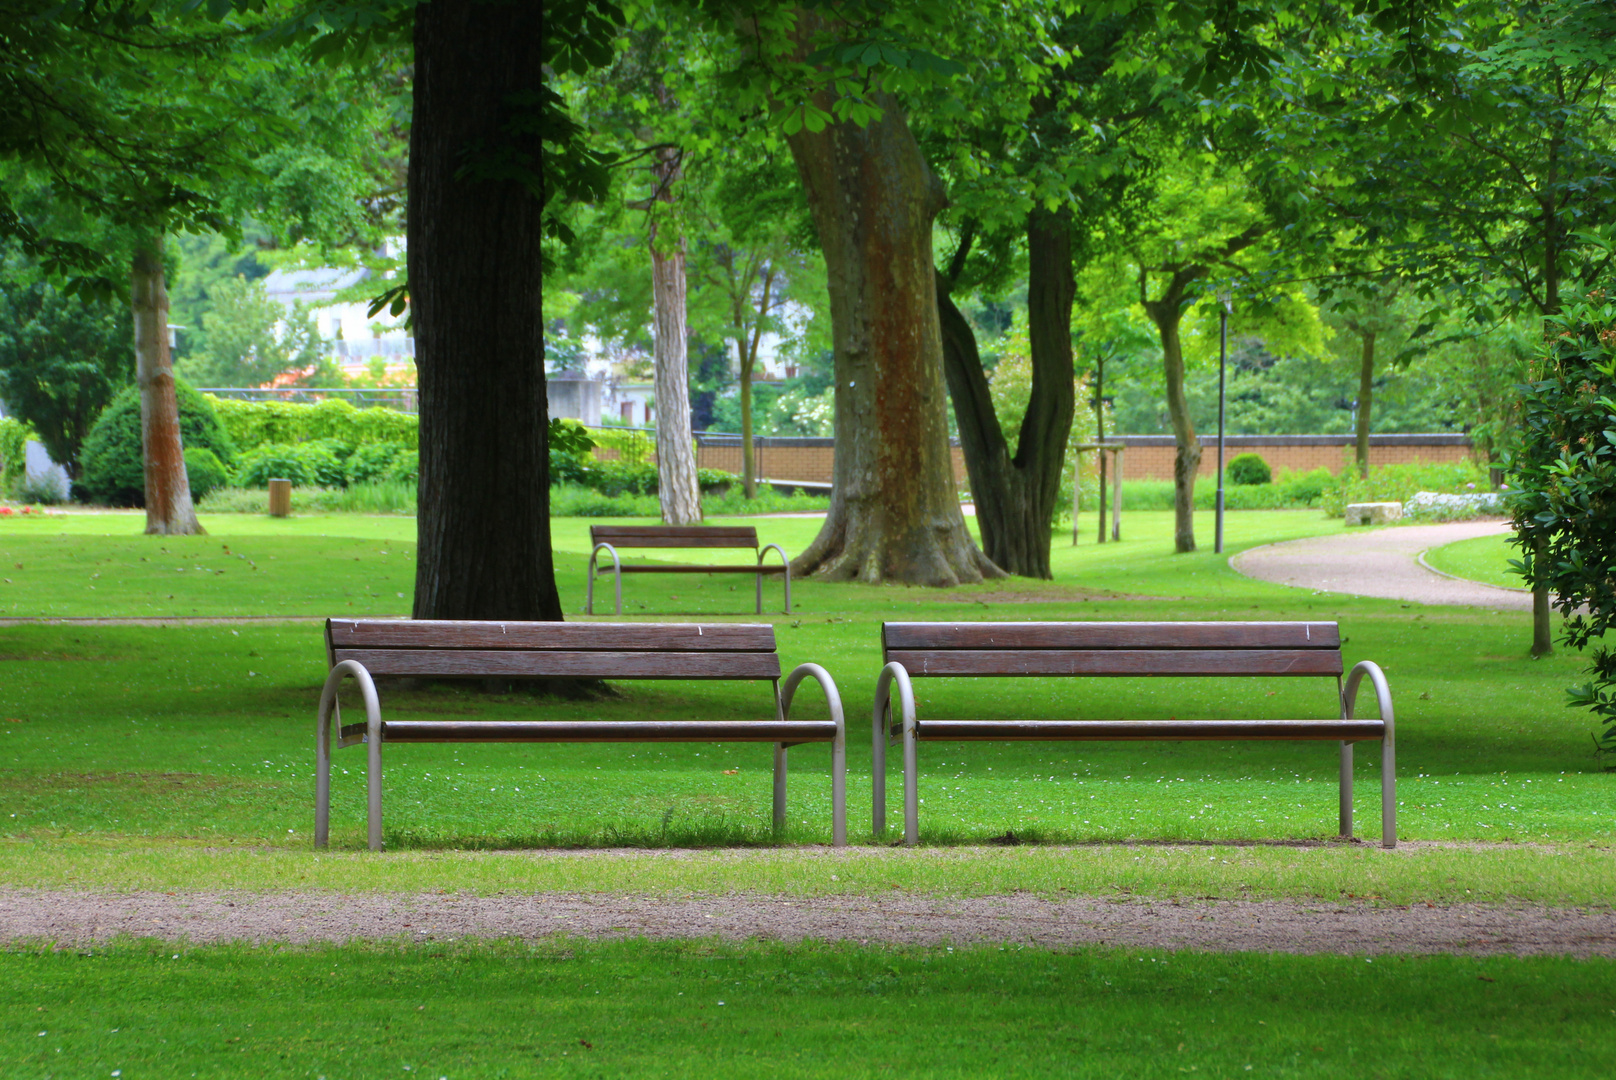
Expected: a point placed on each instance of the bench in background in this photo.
(1170, 649)
(527, 650)
(610, 538)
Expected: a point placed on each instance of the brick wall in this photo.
(1148, 457)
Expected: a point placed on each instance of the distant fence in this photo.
(1148, 457)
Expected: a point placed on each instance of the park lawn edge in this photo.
(1555, 875)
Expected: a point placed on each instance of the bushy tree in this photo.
(1565, 511)
(62, 358)
(247, 339)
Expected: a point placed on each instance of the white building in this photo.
(348, 333)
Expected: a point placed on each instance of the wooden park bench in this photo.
(1171, 649)
(527, 650)
(609, 538)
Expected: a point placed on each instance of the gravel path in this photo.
(1383, 563)
(75, 918)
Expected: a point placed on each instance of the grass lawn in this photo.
(567, 1008)
(1484, 559)
(159, 737)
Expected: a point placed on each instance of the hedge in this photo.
(252, 424)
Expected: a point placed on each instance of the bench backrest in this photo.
(537, 650)
(674, 536)
(1122, 648)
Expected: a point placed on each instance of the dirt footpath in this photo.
(74, 918)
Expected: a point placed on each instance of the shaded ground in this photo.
(74, 918)
(1383, 563)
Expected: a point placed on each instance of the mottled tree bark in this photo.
(1015, 496)
(168, 489)
(484, 522)
(1366, 400)
(1166, 312)
(677, 491)
(894, 512)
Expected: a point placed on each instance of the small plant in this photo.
(1249, 469)
(205, 471)
(372, 461)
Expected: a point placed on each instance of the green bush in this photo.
(1248, 469)
(205, 471)
(570, 500)
(14, 436)
(715, 479)
(621, 477)
(111, 467)
(1565, 470)
(371, 461)
(1305, 488)
(566, 468)
(1397, 483)
(261, 423)
(304, 464)
(405, 469)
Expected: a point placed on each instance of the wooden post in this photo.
(280, 498)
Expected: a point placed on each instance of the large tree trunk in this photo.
(168, 489)
(1366, 399)
(1166, 313)
(1015, 496)
(676, 455)
(894, 512)
(484, 523)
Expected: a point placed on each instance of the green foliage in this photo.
(204, 471)
(304, 464)
(570, 437)
(258, 423)
(572, 500)
(247, 339)
(708, 479)
(62, 358)
(406, 468)
(633, 447)
(370, 497)
(372, 461)
(621, 477)
(1565, 511)
(112, 469)
(1246, 469)
(14, 436)
(1398, 483)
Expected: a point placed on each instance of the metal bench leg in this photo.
(779, 786)
(373, 783)
(878, 769)
(329, 711)
(1388, 787)
(911, 784)
(1346, 790)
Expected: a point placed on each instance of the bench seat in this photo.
(913, 651)
(610, 539)
(363, 648)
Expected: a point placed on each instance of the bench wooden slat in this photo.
(690, 568)
(674, 536)
(548, 731)
(1125, 730)
(1118, 662)
(555, 664)
(1111, 635)
(573, 637)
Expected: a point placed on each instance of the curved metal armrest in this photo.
(1383, 692)
(589, 577)
(838, 746)
(762, 551)
(1388, 745)
(892, 673)
(322, 747)
(833, 697)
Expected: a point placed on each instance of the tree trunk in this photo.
(748, 454)
(1015, 496)
(1366, 399)
(168, 489)
(1166, 313)
(676, 455)
(1542, 624)
(894, 512)
(484, 523)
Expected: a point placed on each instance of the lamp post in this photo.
(1223, 364)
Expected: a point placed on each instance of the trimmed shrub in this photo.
(371, 461)
(260, 423)
(205, 471)
(1249, 469)
(306, 464)
(111, 467)
(1306, 488)
(715, 479)
(405, 469)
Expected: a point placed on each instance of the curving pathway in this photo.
(1384, 563)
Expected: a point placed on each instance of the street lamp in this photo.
(1223, 364)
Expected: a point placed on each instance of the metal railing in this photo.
(403, 398)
